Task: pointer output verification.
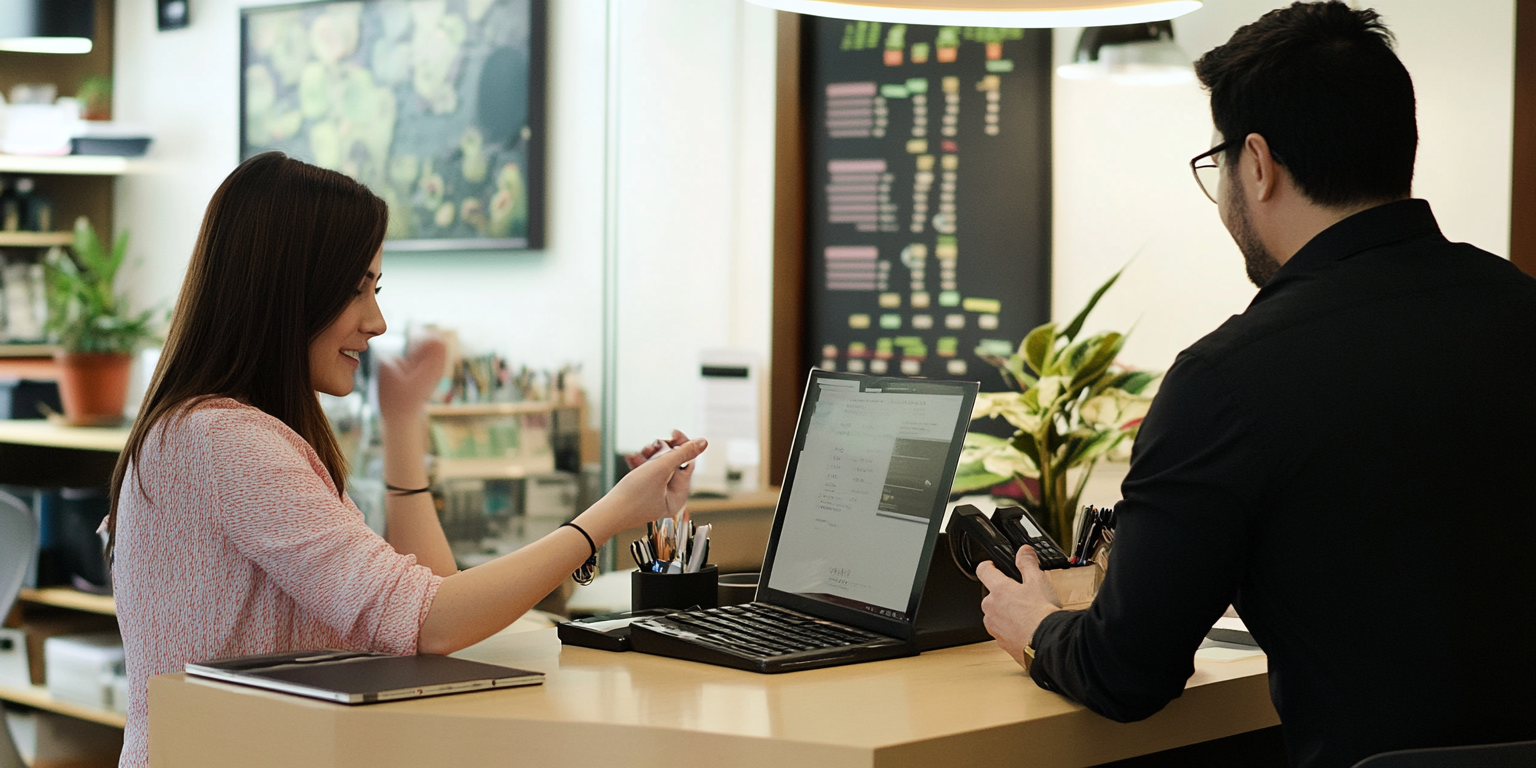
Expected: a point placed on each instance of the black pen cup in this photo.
(738, 588)
(674, 590)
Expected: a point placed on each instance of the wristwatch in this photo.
(1029, 655)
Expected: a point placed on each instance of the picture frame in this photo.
(437, 107)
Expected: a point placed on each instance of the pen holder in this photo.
(674, 590)
(1076, 587)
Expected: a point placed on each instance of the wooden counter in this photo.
(967, 706)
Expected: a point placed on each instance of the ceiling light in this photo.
(993, 13)
(1135, 54)
(47, 26)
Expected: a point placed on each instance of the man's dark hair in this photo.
(1320, 83)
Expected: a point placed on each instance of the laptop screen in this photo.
(864, 494)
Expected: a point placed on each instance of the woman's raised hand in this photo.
(658, 484)
(405, 383)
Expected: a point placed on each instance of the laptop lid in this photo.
(863, 497)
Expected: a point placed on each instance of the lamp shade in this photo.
(47, 26)
(993, 13)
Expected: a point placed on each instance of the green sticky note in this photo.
(946, 240)
(949, 299)
(997, 347)
(918, 84)
(984, 306)
(1000, 65)
(948, 346)
(893, 91)
(907, 341)
(890, 321)
(883, 346)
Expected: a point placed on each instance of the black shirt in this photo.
(1351, 462)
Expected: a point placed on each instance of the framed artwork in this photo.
(436, 105)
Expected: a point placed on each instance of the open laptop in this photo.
(863, 498)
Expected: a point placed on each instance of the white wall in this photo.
(1123, 186)
(540, 307)
(695, 168)
(696, 117)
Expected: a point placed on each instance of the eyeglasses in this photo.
(1207, 169)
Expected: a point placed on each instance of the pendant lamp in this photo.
(47, 26)
(993, 13)
(1135, 54)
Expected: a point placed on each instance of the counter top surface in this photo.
(955, 705)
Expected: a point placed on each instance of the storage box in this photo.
(14, 670)
(81, 667)
(46, 623)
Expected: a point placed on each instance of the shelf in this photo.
(38, 697)
(26, 350)
(74, 599)
(76, 165)
(766, 499)
(31, 368)
(35, 239)
(50, 435)
(495, 409)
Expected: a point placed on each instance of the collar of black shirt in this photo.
(1383, 225)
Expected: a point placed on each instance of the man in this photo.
(1351, 462)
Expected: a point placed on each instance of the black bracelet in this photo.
(588, 570)
(398, 491)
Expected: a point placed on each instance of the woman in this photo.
(231, 530)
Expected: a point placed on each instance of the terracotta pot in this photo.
(93, 386)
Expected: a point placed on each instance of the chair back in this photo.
(1515, 754)
(18, 544)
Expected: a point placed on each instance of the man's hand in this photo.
(1013, 610)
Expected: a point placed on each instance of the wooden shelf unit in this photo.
(38, 697)
(35, 239)
(49, 435)
(74, 599)
(69, 165)
(496, 409)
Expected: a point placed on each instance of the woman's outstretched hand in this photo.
(657, 485)
(405, 383)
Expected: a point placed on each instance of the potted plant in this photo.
(90, 324)
(1073, 405)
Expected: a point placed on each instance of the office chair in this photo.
(18, 540)
(1515, 754)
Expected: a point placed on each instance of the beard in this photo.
(1260, 264)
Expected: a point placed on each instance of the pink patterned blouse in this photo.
(238, 544)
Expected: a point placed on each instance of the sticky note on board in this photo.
(858, 321)
(987, 322)
(919, 54)
(950, 84)
(893, 91)
(920, 299)
(917, 84)
(999, 347)
(949, 299)
(1000, 65)
(925, 162)
(987, 306)
(949, 346)
(917, 146)
(946, 251)
(989, 83)
(890, 322)
(890, 300)
(950, 162)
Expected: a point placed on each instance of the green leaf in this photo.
(1103, 357)
(966, 482)
(1024, 443)
(1077, 322)
(1036, 348)
(1134, 382)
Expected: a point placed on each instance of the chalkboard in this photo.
(928, 199)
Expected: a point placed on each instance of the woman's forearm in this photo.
(412, 526)
(481, 601)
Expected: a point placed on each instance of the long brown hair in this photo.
(281, 251)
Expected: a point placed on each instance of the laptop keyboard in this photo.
(760, 629)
